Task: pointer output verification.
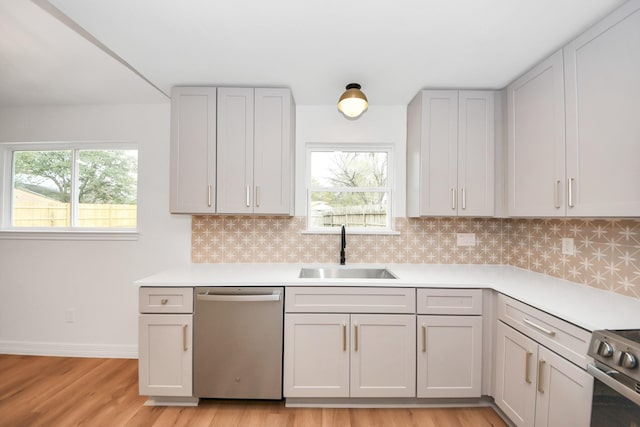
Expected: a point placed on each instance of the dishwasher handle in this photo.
(239, 298)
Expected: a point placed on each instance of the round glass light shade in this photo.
(353, 101)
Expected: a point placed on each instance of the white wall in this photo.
(325, 124)
(41, 279)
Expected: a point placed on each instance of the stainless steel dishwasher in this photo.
(238, 343)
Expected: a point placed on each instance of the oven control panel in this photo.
(616, 351)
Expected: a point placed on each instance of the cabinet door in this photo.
(439, 153)
(193, 150)
(564, 392)
(316, 355)
(165, 354)
(602, 69)
(515, 385)
(274, 147)
(536, 141)
(449, 356)
(383, 358)
(476, 153)
(235, 151)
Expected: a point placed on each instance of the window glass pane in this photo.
(107, 188)
(348, 169)
(354, 209)
(41, 188)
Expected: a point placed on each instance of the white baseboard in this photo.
(31, 348)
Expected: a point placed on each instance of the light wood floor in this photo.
(63, 391)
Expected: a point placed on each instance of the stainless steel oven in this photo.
(616, 388)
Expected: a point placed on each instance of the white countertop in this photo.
(584, 306)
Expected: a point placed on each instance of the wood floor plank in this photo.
(61, 391)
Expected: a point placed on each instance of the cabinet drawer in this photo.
(449, 301)
(350, 300)
(166, 300)
(566, 339)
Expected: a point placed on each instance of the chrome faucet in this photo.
(343, 245)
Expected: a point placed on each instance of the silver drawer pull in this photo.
(344, 336)
(164, 301)
(540, 368)
(356, 337)
(453, 198)
(571, 204)
(540, 328)
(424, 338)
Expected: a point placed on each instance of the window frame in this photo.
(389, 189)
(8, 231)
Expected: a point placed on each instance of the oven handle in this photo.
(615, 385)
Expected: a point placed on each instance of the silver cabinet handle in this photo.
(164, 301)
(257, 196)
(209, 195)
(540, 328)
(424, 338)
(527, 363)
(556, 195)
(240, 298)
(464, 199)
(344, 337)
(570, 192)
(355, 337)
(184, 337)
(453, 198)
(247, 194)
(540, 367)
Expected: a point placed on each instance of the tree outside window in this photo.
(349, 187)
(93, 188)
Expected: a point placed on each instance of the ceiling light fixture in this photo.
(353, 101)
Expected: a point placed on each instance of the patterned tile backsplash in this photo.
(607, 251)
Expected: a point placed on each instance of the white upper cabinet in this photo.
(450, 153)
(273, 160)
(535, 141)
(232, 151)
(235, 150)
(255, 151)
(476, 153)
(573, 128)
(602, 78)
(193, 150)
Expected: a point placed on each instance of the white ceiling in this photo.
(314, 47)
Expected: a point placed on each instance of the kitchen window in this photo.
(69, 188)
(351, 186)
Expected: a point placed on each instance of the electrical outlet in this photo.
(567, 246)
(466, 239)
(70, 315)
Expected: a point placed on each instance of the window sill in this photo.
(68, 235)
(336, 230)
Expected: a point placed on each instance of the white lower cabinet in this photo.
(316, 355)
(535, 387)
(165, 350)
(349, 355)
(165, 354)
(449, 356)
(383, 358)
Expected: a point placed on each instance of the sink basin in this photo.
(346, 273)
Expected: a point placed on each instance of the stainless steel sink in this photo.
(346, 273)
